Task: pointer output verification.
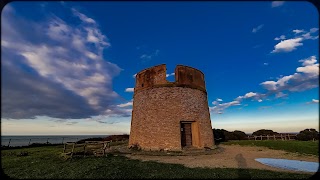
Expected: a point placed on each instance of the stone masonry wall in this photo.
(157, 113)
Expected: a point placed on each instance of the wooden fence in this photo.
(282, 137)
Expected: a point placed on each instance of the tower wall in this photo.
(160, 106)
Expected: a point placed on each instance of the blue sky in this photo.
(68, 67)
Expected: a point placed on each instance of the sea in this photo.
(14, 141)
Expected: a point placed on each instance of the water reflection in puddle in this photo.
(295, 165)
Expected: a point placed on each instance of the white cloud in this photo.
(217, 101)
(287, 45)
(308, 36)
(255, 30)
(269, 85)
(250, 94)
(150, 56)
(311, 69)
(277, 3)
(313, 30)
(314, 101)
(266, 64)
(125, 104)
(83, 17)
(308, 61)
(134, 76)
(305, 78)
(297, 31)
(282, 37)
(145, 56)
(171, 74)
(281, 94)
(129, 90)
(219, 108)
(65, 55)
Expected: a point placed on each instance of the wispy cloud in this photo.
(291, 44)
(219, 108)
(217, 101)
(314, 101)
(60, 65)
(150, 56)
(266, 64)
(264, 107)
(306, 77)
(255, 30)
(134, 76)
(277, 3)
(282, 37)
(288, 45)
(129, 90)
(171, 74)
(125, 104)
(297, 31)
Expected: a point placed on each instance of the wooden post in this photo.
(29, 142)
(72, 149)
(281, 137)
(64, 148)
(84, 149)
(268, 137)
(289, 137)
(47, 140)
(274, 137)
(261, 137)
(9, 143)
(255, 138)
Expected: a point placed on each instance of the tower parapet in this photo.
(185, 76)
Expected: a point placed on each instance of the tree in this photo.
(221, 135)
(307, 135)
(240, 135)
(264, 132)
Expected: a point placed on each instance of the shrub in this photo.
(308, 134)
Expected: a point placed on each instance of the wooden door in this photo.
(186, 135)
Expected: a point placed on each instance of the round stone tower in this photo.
(170, 115)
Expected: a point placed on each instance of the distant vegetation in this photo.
(308, 134)
(264, 132)
(108, 138)
(222, 135)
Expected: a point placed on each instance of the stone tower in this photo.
(170, 115)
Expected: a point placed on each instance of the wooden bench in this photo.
(105, 145)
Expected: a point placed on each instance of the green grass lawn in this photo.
(46, 162)
(301, 147)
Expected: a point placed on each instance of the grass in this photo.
(301, 147)
(46, 162)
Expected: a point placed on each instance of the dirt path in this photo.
(230, 156)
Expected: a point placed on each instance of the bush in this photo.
(221, 135)
(264, 132)
(308, 134)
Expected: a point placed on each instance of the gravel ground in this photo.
(229, 156)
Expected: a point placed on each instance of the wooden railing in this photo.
(274, 137)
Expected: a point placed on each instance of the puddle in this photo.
(295, 165)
